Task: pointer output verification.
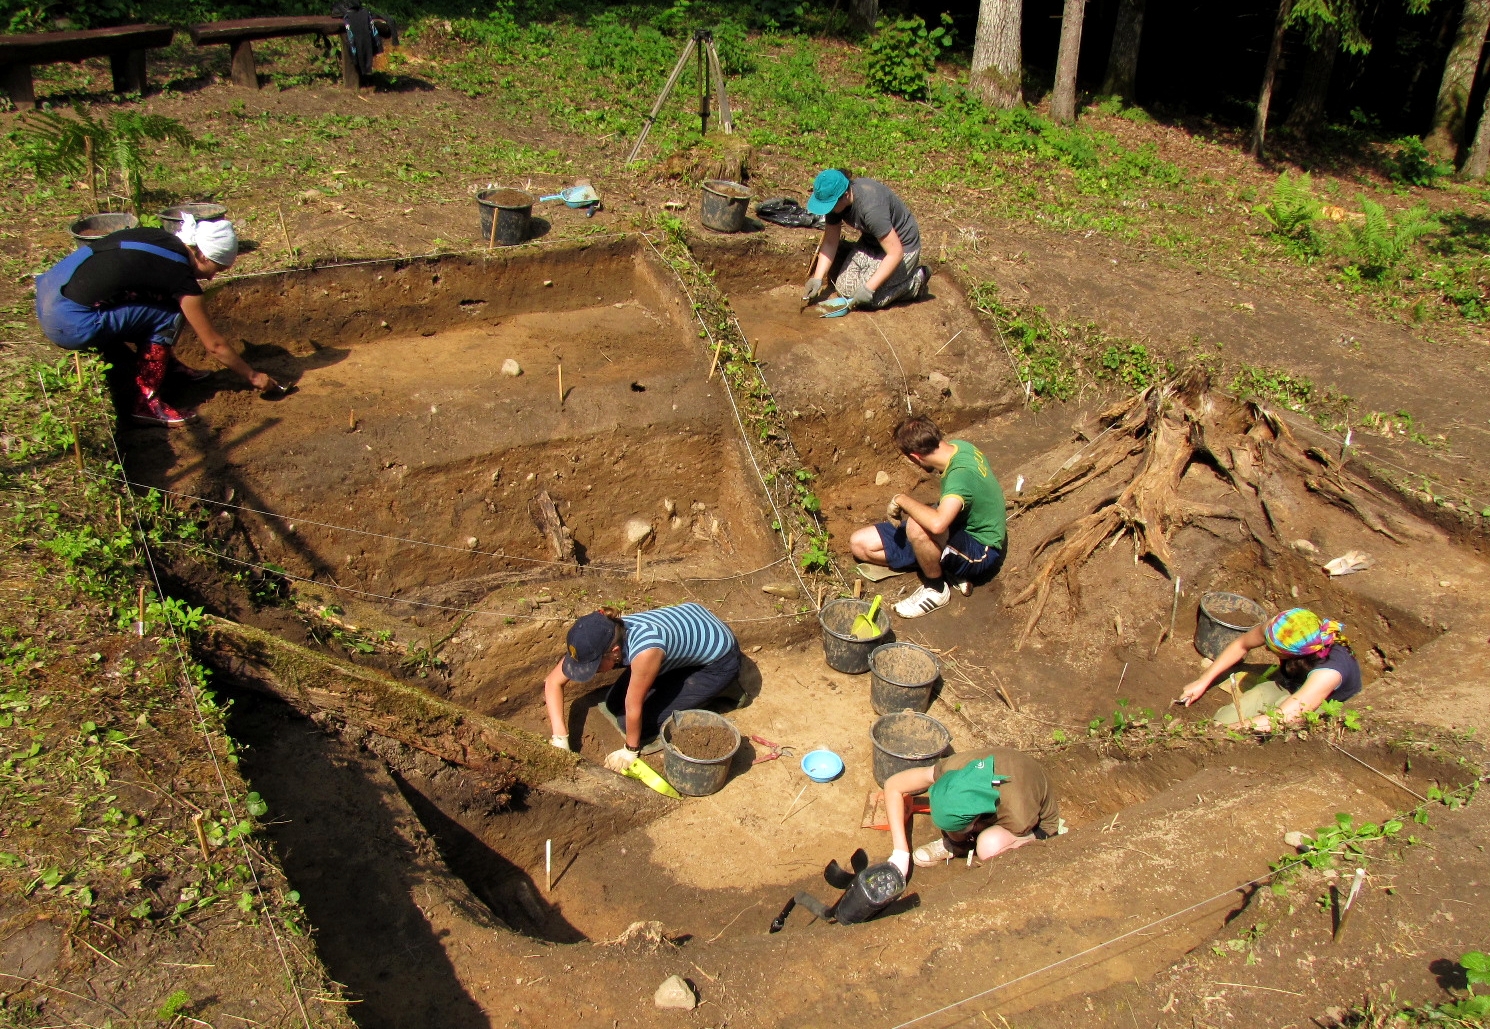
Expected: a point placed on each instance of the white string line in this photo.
(744, 436)
(1105, 943)
(1325, 434)
(603, 569)
(143, 545)
(905, 383)
(412, 603)
(313, 267)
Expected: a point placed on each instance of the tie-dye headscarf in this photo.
(1299, 631)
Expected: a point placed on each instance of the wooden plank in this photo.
(128, 69)
(51, 47)
(243, 71)
(209, 32)
(15, 79)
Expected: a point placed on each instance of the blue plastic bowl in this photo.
(822, 766)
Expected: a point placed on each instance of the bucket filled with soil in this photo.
(1222, 618)
(724, 205)
(697, 750)
(505, 215)
(906, 739)
(844, 651)
(902, 677)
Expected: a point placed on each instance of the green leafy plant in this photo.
(1345, 839)
(54, 145)
(1133, 365)
(1291, 210)
(903, 55)
(1373, 247)
(173, 1005)
(1413, 165)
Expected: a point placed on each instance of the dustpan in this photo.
(865, 626)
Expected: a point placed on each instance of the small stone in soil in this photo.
(512, 368)
(675, 993)
(705, 742)
(881, 478)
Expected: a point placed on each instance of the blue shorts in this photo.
(963, 557)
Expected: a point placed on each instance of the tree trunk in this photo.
(1063, 97)
(998, 63)
(1122, 63)
(1269, 75)
(865, 14)
(1478, 160)
(1447, 130)
(1307, 115)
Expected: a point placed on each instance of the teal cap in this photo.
(827, 188)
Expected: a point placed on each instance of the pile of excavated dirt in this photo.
(705, 742)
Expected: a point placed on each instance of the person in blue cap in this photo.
(885, 264)
(675, 659)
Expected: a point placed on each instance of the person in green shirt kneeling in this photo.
(962, 539)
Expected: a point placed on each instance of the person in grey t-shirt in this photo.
(885, 264)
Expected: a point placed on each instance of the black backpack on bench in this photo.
(362, 31)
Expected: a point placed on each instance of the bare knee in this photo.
(864, 543)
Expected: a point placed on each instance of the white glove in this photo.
(901, 859)
(562, 742)
(620, 760)
(892, 510)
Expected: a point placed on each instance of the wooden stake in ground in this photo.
(561, 385)
(77, 366)
(491, 241)
(196, 824)
(638, 564)
(77, 446)
(289, 247)
(140, 625)
(1345, 909)
(548, 865)
(715, 363)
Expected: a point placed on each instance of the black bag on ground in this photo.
(868, 890)
(786, 211)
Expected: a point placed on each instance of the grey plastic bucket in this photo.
(906, 739)
(170, 217)
(724, 205)
(513, 210)
(888, 691)
(1222, 618)
(97, 226)
(693, 776)
(843, 651)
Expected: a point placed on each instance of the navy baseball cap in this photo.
(590, 639)
(827, 189)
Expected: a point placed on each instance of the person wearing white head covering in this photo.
(138, 286)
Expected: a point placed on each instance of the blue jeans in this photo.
(681, 689)
(74, 326)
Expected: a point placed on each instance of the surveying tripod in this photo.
(702, 45)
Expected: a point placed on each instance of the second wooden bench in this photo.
(241, 33)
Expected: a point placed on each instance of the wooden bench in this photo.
(124, 46)
(240, 35)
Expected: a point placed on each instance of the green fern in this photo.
(53, 145)
(1373, 247)
(1293, 208)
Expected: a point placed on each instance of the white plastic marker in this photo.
(1019, 485)
(548, 865)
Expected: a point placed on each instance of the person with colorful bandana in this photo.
(985, 801)
(1315, 665)
(139, 286)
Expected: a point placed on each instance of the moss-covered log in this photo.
(315, 683)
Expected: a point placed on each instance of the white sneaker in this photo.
(964, 587)
(932, 854)
(922, 602)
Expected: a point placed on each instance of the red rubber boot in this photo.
(150, 371)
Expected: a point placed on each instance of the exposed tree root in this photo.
(1167, 428)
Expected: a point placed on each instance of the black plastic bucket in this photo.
(843, 650)
(901, 677)
(871, 891)
(724, 205)
(1222, 618)
(513, 210)
(694, 776)
(906, 739)
(170, 217)
(97, 226)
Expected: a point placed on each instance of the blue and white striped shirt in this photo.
(688, 634)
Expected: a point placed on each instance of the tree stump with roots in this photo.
(1161, 432)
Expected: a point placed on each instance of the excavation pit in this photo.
(402, 485)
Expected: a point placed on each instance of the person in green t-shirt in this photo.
(962, 539)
